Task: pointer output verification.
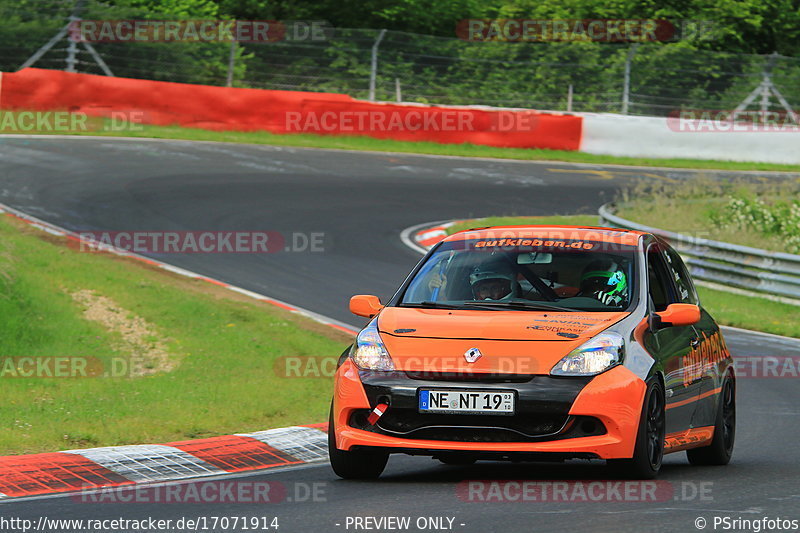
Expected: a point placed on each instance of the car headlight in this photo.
(592, 357)
(369, 352)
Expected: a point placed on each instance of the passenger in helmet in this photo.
(493, 282)
(604, 281)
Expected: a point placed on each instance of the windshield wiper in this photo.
(495, 304)
(439, 305)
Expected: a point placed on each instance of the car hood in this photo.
(494, 325)
(514, 342)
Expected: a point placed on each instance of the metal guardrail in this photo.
(743, 267)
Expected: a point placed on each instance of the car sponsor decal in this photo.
(682, 440)
(710, 351)
(565, 327)
(535, 243)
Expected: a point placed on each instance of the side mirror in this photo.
(365, 305)
(679, 315)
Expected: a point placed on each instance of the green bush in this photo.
(762, 213)
(778, 218)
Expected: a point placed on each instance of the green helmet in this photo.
(604, 277)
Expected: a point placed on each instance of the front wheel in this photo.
(648, 451)
(355, 464)
(721, 449)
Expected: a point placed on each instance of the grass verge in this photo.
(760, 215)
(215, 374)
(364, 143)
(751, 312)
(747, 312)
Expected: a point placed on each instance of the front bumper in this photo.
(578, 417)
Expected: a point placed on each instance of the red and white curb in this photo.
(423, 237)
(73, 470)
(114, 466)
(430, 236)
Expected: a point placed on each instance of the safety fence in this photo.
(651, 78)
(773, 273)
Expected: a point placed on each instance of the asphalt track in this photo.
(361, 202)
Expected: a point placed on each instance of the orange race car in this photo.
(536, 343)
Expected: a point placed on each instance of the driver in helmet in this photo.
(490, 282)
(604, 281)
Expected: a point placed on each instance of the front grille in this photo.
(470, 377)
(407, 420)
(410, 424)
(467, 435)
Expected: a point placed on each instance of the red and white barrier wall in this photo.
(222, 108)
(688, 138)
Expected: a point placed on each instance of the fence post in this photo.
(43, 50)
(374, 67)
(569, 99)
(765, 89)
(231, 63)
(626, 88)
(72, 47)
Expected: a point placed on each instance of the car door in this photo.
(708, 347)
(673, 346)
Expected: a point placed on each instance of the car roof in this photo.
(585, 233)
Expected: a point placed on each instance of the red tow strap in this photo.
(377, 413)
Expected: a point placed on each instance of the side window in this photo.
(683, 282)
(659, 287)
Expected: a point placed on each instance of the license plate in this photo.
(466, 401)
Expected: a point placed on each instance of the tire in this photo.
(356, 464)
(648, 452)
(721, 449)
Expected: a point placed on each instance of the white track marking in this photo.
(307, 444)
(145, 463)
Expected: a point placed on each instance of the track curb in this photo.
(87, 470)
(423, 237)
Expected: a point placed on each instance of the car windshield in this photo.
(514, 273)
